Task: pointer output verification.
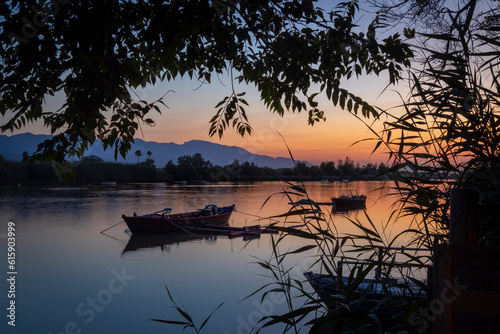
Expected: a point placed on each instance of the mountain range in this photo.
(12, 148)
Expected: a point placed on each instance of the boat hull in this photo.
(347, 201)
(155, 223)
(353, 301)
(326, 286)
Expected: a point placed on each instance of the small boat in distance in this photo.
(108, 183)
(163, 221)
(349, 200)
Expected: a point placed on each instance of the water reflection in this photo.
(163, 241)
(62, 249)
(347, 209)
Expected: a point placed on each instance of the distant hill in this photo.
(12, 148)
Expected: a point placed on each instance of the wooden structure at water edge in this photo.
(466, 296)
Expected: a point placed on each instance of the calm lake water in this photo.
(71, 278)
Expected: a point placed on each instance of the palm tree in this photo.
(149, 154)
(138, 153)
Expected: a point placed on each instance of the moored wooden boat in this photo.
(163, 221)
(349, 200)
(373, 289)
(326, 285)
(351, 301)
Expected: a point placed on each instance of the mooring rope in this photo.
(260, 217)
(179, 227)
(111, 226)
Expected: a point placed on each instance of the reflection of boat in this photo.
(164, 221)
(347, 210)
(349, 200)
(163, 241)
(157, 240)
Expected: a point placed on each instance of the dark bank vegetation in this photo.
(190, 168)
(15, 172)
(93, 169)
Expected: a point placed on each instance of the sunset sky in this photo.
(190, 112)
(192, 106)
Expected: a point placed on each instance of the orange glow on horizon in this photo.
(274, 135)
(191, 108)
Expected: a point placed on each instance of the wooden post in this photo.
(378, 270)
(466, 287)
(464, 212)
(443, 272)
(340, 273)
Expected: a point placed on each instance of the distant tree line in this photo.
(100, 171)
(92, 169)
(14, 172)
(195, 167)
